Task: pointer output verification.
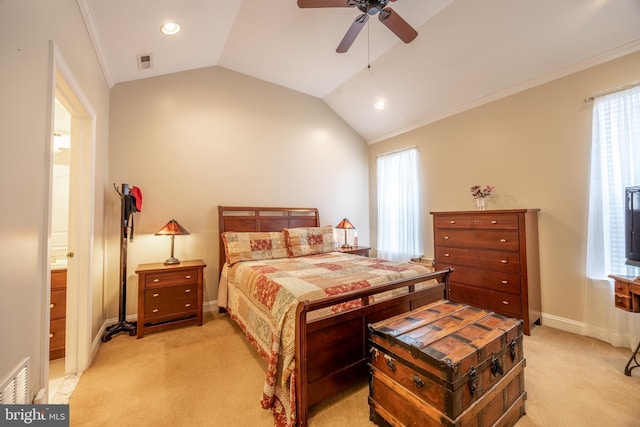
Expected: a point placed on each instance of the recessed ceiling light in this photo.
(379, 105)
(170, 28)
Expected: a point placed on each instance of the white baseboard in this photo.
(563, 324)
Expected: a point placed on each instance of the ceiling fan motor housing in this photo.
(372, 6)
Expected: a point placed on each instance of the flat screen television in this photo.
(632, 225)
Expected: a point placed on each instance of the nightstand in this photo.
(356, 250)
(169, 295)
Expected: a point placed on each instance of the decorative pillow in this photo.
(253, 246)
(309, 240)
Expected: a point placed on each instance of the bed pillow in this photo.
(254, 246)
(309, 240)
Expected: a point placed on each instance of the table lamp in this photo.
(173, 229)
(346, 225)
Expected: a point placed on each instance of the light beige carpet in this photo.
(210, 376)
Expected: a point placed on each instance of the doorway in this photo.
(73, 116)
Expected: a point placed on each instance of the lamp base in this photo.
(171, 261)
(345, 246)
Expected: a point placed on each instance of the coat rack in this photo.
(127, 203)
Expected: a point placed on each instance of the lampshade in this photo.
(346, 225)
(173, 229)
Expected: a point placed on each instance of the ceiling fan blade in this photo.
(397, 25)
(326, 3)
(352, 33)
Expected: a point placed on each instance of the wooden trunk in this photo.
(447, 364)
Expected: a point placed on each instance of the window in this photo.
(615, 164)
(399, 236)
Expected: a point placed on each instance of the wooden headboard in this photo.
(251, 218)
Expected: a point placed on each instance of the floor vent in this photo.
(14, 388)
(144, 61)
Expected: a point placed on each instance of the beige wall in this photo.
(26, 29)
(198, 139)
(535, 148)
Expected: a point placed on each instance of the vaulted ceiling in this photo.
(467, 52)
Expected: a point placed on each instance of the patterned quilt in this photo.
(261, 296)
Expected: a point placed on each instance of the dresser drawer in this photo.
(170, 293)
(502, 240)
(496, 221)
(59, 279)
(57, 331)
(507, 262)
(502, 303)
(58, 304)
(171, 278)
(493, 280)
(453, 221)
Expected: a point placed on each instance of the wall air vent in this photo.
(144, 61)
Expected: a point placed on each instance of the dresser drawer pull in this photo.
(505, 302)
(156, 280)
(50, 335)
(156, 295)
(52, 305)
(505, 282)
(447, 255)
(494, 222)
(417, 381)
(503, 240)
(186, 291)
(452, 222)
(155, 310)
(188, 276)
(187, 305)
(504, 261)
(446, 237)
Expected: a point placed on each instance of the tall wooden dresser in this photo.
(495, 258)
(58, 307)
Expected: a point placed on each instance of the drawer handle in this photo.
(155, 310)
(505, 302)
(446, 237)
(503, 240)
(494, 222)
(505, 282)
(186, 291)
(452, 222)
(156, 295)
(504, 261)
(447, 255)
(52, 305)
(187, 305)
(417, 381)
(188, 276)
(50, 335)
(156, 280)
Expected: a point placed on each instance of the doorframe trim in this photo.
(78, 352)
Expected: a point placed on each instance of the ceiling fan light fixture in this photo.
(379, 105)
(170, 28)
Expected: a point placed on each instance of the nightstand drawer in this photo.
(163, 310)
(171, 293)
(171, 278)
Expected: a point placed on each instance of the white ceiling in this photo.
(467, 52)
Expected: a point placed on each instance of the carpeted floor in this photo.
(210, 376)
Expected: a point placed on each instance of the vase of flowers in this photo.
(480, 194)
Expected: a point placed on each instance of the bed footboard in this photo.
(331, 353)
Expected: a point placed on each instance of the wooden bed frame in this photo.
(331, 353)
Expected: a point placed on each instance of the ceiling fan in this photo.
(386, 15)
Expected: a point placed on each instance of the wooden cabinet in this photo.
(169, 295)
(58, 314)
(495, 257)
(356, 250)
